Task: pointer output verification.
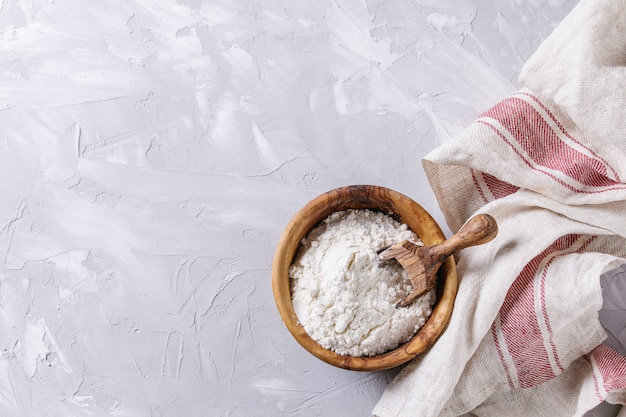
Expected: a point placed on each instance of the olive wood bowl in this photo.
(405, 210)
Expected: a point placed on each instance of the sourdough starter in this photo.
(343, 298)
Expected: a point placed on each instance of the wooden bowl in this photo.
(403, 209)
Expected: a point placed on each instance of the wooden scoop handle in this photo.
(478, 230)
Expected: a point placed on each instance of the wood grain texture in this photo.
(421, 263)
(403, 209)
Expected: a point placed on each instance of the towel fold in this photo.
(549, 164)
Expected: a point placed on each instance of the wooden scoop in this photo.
(421, 263)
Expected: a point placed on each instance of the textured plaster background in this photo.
(152, 152)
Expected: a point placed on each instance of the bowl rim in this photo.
(358, 197)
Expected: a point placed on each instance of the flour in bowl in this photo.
(344, 299)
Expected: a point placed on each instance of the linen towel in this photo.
(549, 164)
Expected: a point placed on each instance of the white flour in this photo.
(343, 298)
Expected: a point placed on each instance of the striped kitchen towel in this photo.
(549, 164)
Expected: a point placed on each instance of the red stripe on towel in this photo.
(553, 118)
(541, 147)
(479, 187)
(491, 188)
(532, 350)
(611, 368)
(503, 361)
(497, 187)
